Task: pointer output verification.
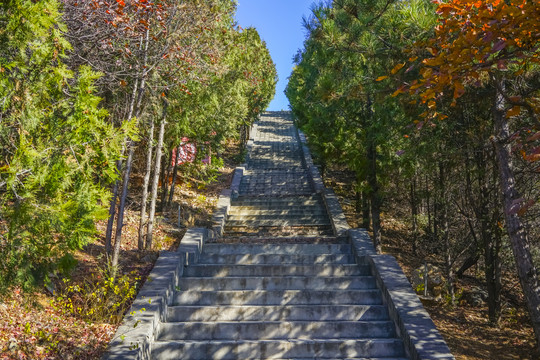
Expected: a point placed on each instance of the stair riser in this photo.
(320, 219)
(279, 297)
(275, 270)
(278, 224)
(295, 208)
(275, 331)
(281, 249)
(277, 283)
(276, 203)
(278, 233)
(276, 259)
(277, 349)
(277, 313)
(270, 214)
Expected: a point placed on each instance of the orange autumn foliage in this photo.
(478, 38)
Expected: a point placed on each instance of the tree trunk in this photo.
(374, 196)
(121, 208)
(165, 175)
(144, 196)
(414, 215)
(112, 213)
(112, 208)
(493, 276)
(442, 221)
(135, 109)
(155, 181)
(428, 207)
(173, 183)
(491, 238)
(516, 232)
(467, 264)
(366, 219)
(362, 203)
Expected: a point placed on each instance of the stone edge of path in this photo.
(219, 217)
(414, 326)
(135, 335)
(331, 202)
(313, 172)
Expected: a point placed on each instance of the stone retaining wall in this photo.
(135, 335)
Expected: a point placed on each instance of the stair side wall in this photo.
(133, 339)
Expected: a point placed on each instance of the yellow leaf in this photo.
(381, 78)
(458, 89)
(513, 111)
(399, 91)
(397, 67)
(426, 72)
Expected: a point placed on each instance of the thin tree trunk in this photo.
(112, 213)
(442, 205)
(493, 275)
(374, 196)
(467, 264)
(155, 181)
(165, 175)
(362, 203)
(173, 183)
(428, 203)
(134, 110)
(365, 210)
(414, 214)
(112, 207)
(516, 231)
(144, 196)
(121, 208)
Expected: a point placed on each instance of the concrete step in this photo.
(278, 349)
(309, 239)
(280, 219)
(276, 201)
(277, 283)
(234, 211)
(276, 231)
(277, 313)
(275, 330)
(217, 271)
(248, 259)
(279, 222)
(277, 249)
(278, 297)
(262, 207)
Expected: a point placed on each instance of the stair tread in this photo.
(277, 312)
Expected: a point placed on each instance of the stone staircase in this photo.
(279, 284)
(285, 279)
(277, 301)
(301, 215)
(275, 196)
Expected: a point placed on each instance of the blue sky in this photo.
(279, 23)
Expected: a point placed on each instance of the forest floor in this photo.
(465, 327)
(40, 325)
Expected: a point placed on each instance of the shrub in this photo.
(100, 298)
